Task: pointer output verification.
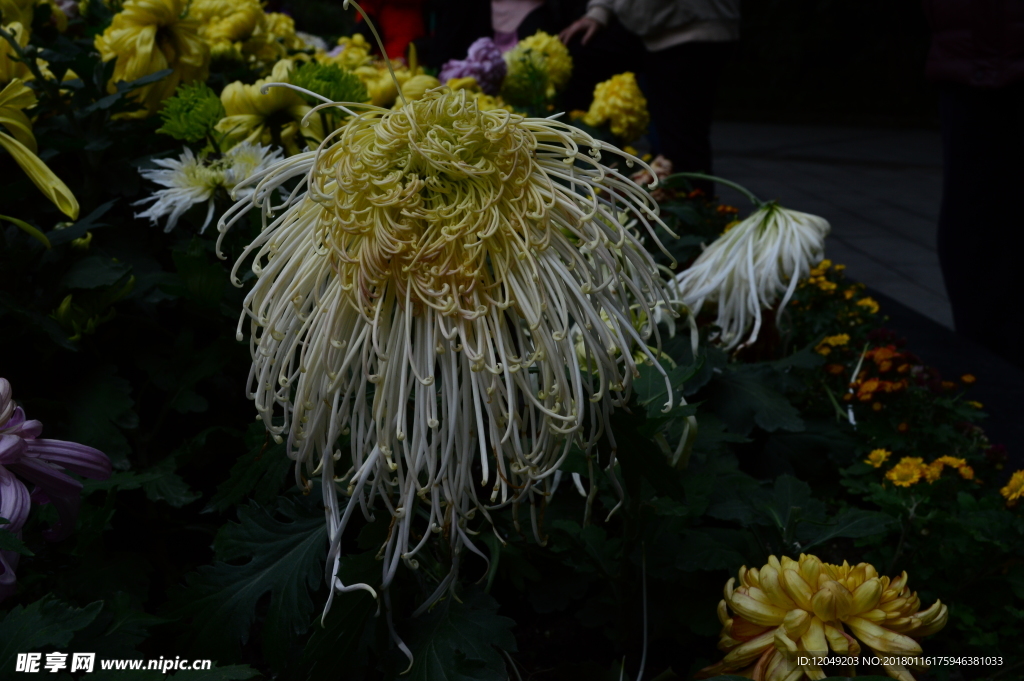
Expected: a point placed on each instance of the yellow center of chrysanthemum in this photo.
(437, 200)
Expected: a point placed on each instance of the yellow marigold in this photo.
(1014, 489)
(932, 471)
(869, 304)
(907, 472)
(877, 457)
(829, 342)
(968, 379)
(544, 52)
(273, 118)
(147, 36)
(951, 461)
(792, 609)
(966, 472)
(619, 102)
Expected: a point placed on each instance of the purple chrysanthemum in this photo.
(483, 62)
(26, 458)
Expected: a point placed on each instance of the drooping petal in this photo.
(15, 501)
(757, 612)
(42, 177)
(6, 402)
(53, 481)
(12, 448)
(81, 459)
(880, 638)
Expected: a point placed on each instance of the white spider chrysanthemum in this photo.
(746, 269)
(189, 180)
(416, 291)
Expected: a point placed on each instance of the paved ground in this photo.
(879, 189)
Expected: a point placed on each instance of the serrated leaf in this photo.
(852, 523)
(169, 486)
(259, 472)
(99, 407)
(334, 644)
(95, 271)
(10, 542)
(46, 622)
(744, 398)
(285, 559)
(459, 641)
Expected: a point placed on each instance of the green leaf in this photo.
(202, 278)
(259, 472)
(285, 558)
(459, 641)
(78, 230)
(46, 622)
(334, 644)
(851, 522)
(10, 542)
(95, 271)
(169, 486)
(99, 408)
(743, 398)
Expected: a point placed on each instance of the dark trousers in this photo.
(681, 83)
(981, 224)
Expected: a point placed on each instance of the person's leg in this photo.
(681, 85)
(981, 224)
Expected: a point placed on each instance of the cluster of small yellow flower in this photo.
(912, 469)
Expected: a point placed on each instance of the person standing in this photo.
(687, 42)
(977, 60)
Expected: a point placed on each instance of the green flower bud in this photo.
(191, 113)
(330, 81)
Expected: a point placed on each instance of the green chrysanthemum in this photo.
(330, 81)
(191, 114)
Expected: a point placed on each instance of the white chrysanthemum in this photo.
(190, 180)
(415, 293)
(746, 269)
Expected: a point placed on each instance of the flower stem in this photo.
(702, 176)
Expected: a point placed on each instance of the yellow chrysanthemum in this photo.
(484, 102)
(417, 86)
(380, 85)
(21, 145)
(544, 53)
(1014, 489)
(271, 119)
(147, 36)
(423, 296)
(877, 457)
(354, 52)
(792, 609)
(10, 66)
(907, 472)
(619, 102)
(225, 22)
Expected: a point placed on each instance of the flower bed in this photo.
(548, 412)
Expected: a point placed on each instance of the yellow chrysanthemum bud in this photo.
(793, 609)
(619, 103)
